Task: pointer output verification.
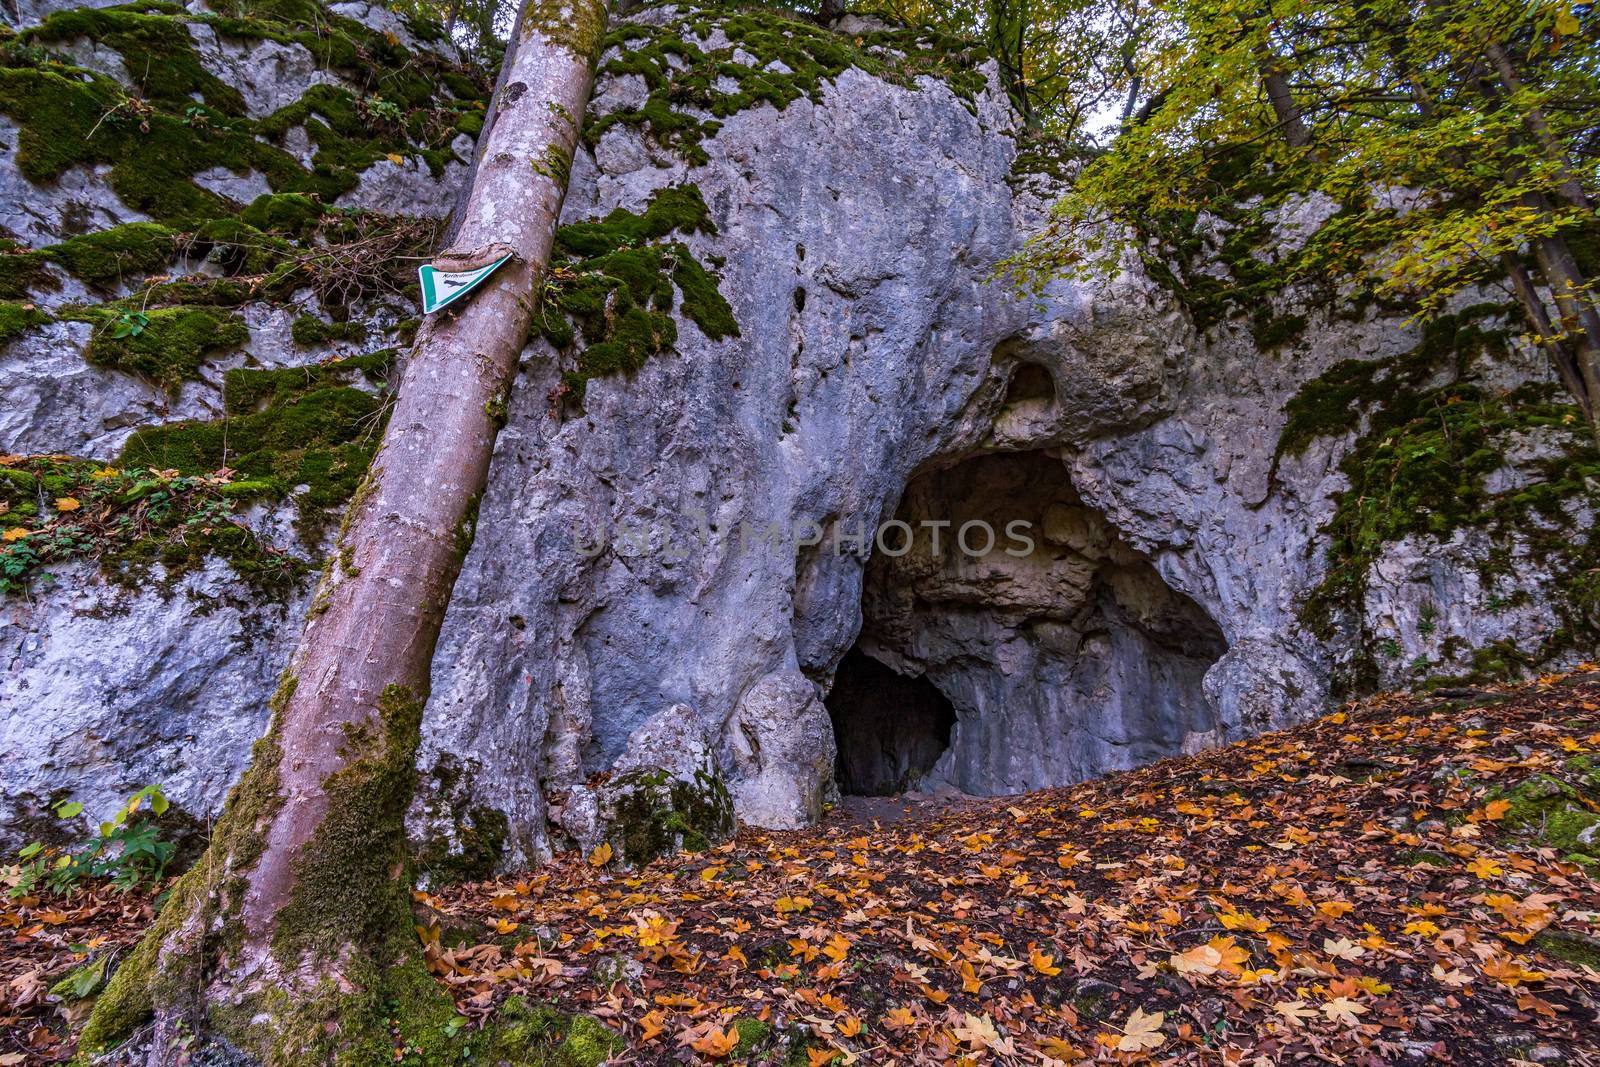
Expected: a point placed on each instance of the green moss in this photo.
(299, 426)
(616, 279)
(22, 273)
(1553, 812)
(116, 254)
(157, 142)
(156, 49)
(752, 1034)
(310, 330)
(526, 1035)
(525, 1032)
(653, 814)
(1421, 466)
(17, 319)
(345, 884)
(295, 214)
(478, 833)
(589, 1043)
(1569, 947)
(168, 348)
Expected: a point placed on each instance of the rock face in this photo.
(687, 581)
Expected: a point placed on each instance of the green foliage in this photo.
(1061, 62)
(128, 852)
(1390, 95)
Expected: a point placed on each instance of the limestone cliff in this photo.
(774, 328)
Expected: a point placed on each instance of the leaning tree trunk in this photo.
(292, 938)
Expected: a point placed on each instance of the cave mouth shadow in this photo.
(889, 728)
(1020, 664)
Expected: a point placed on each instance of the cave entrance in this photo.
(890, 729)
(1052, 653)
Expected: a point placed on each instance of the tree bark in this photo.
(292, 938)
(1290, 122)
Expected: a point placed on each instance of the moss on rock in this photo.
(1555, 813)
(155, 141)
(17, 319)
(283, 429)
(616, 278)
(1569, 946)
(310, 330)
(168, 347)
(652, 814)
(792, 58)
(127, 519)
(1421, 465)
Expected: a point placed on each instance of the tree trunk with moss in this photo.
(292, 939)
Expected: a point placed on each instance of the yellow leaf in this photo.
(601, 855)
(820, 1057)
(67, 503)
(1496, 810)
(1231, 955)
(1142, 1031)
(396, 157)
(16, 533)
(1484, 867)
(1242, 920)
(1567, 24)
(1043, 963)
(1333, 909)
(653, 1024)
(899, 1018)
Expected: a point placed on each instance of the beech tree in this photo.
(293, 937)
(1458, 139)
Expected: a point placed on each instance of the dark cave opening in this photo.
(1030, 382)
(1032, 646)
(890, 729)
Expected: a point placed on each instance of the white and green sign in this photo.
(442, 287)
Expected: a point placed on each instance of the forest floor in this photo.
(1409, 880)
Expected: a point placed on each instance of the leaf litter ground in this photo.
(1370, 888)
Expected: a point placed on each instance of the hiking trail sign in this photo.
(443, 287)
